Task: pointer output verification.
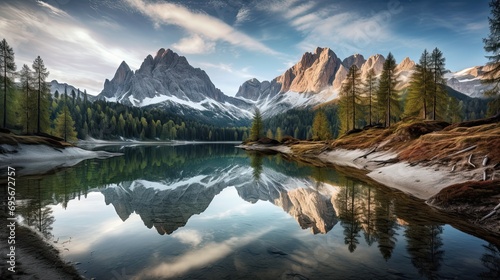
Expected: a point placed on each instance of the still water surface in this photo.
(216, 212)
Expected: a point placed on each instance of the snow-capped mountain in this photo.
(168, 81)
(317, 78)
(469, 81)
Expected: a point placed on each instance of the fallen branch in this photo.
(380, 162)
(463, 151)
(469, 161)
(491, 213)
(485, 160)
(487, 216)
(367, 154)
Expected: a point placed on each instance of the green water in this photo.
(212, 211)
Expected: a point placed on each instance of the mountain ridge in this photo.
(168, 81)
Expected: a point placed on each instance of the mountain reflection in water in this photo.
(172, 189)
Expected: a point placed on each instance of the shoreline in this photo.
(425, 183)
(452, 168)
(399, 175)
(35, 257)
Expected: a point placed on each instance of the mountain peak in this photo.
(355, 59)
(314, 72)
(168, 81)
(405, 65)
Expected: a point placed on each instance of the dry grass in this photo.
(305, 147)
(362, 140)
(12, 139)
(472, 192)
(419, 141)
(443, 144)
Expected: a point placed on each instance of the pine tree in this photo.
(370, 88)
(352, 89)
(438, 90)
(28, 101)
(65, 125)
(388, 104)
(41, 87)
(492, 45)
(7, 68)
(321, 127)
(257, 127)
(419, 94)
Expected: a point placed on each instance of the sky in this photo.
(82, 42)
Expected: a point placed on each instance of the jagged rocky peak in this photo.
(312, 73)
(122, 77)
(250, 89)
(121, 73)
(375, 62)
(355, 59)
(406, 65)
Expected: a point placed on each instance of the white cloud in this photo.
(194, 44)
(206, 255)
(345, 32)
(72, 53)
(242, 16)
(52, 9)
(197, 23)
(188, 236)
(243, 72)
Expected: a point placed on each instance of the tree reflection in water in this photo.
(36, 214)
(491, 261)
(424, 244)
(316, 197)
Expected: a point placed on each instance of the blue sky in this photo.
(82, 42)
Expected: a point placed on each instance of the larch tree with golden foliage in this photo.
(321, 126)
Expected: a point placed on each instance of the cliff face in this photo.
(312, 73)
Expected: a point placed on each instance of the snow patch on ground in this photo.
(419, 181)
(38, 159)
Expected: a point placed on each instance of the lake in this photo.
(213, 211)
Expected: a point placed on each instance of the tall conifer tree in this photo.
(492, 45)
(8, 70)
(387, 96)
(40, 75)
(28, 102)
(419, 94)
(257, 127)
(438, 90)
(370, 88)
